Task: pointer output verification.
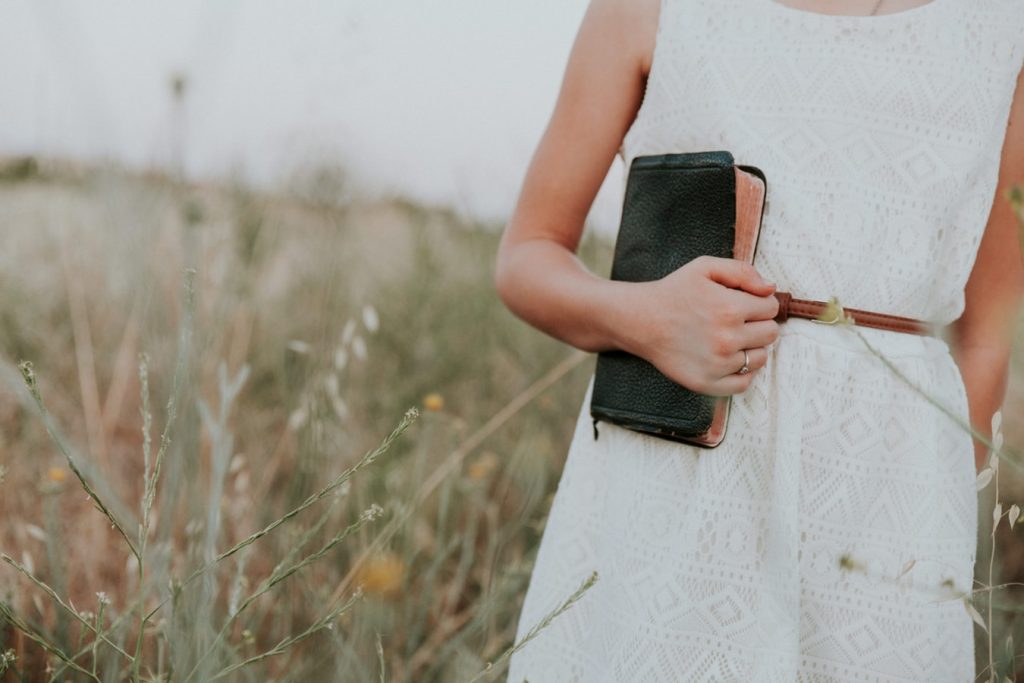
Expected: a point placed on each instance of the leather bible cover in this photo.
(676, 208)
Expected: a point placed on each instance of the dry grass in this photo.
(313, 329)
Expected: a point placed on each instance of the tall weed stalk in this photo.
(149, 663)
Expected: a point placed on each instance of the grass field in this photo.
(215, 360)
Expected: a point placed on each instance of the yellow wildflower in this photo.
(482, 467)
(56, 474)
(382, 574)
(433, 401)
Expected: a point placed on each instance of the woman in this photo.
(885, 129)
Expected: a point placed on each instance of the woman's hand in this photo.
(694, 324)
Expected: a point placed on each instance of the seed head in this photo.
(28, 373)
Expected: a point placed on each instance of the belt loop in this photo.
(784, 298)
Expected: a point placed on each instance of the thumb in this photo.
(738, 275)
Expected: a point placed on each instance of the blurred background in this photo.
(442, 102)
(242, 240)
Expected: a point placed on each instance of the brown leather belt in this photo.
(818, 311)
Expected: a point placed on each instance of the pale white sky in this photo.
(442, 100)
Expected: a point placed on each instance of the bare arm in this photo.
(538, 274)
(982, 338)
(693, 324)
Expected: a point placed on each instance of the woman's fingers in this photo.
(731, 382)
(758, 333)
(735, 274)
(732, 364)
(748, 306)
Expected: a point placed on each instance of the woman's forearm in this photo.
(546, 285)
(985, 371)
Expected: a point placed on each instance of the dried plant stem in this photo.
(380, 657)
(28, 374)
(39, 640)
(86, 361)
(90, 647)
(454, 461)
(997, 452)
(119, 382)
(284, 645)
(184, 342)
(147, 440)
(409, 417)
(369, 458)
(538, 627)
(439, 636)
(99, 626)
(279, 575)
(152, 477)
(147, 424)
(307, 536)
(43, 586)
(996, 516)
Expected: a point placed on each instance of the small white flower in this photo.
(299, 346)
(332, 386)
(103, 598)
(237, 463)
(372, 512)
(359, 348)
(370, 318)
(340, 408)
(348, 331)
(297, 419)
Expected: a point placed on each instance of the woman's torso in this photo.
(880, 135)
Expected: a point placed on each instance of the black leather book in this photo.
(676, 208)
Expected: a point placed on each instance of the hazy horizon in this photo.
(442, 103)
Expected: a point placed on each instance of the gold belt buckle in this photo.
(832, 314)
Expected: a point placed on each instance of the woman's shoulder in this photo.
(629, 25)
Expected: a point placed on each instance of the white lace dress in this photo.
(880, 137)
